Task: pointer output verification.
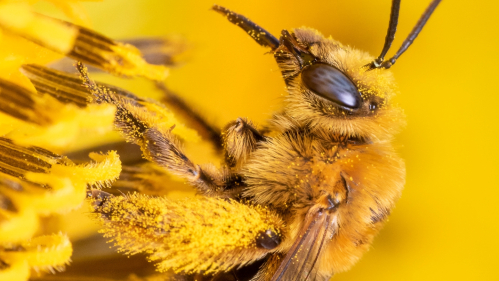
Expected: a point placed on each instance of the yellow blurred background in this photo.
(446, 225)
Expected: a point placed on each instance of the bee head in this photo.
(333, 87)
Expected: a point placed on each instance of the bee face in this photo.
(331, 88)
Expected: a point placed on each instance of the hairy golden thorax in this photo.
(328, 156)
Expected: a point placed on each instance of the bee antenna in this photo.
(390, 34)
(408, 41)
(260, 35)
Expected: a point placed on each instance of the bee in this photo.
(300, 200)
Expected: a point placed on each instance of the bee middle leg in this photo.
(240, 138)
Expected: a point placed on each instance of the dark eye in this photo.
(330, 83)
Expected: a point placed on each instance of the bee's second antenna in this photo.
(390, 34)
(414, 33)
(377, 63)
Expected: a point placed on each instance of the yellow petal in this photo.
(18, 271)
(106, 169)
(44, 252)
(16, 51)
(42, 120)
(64, 196)
(18, 18)
(18, 226)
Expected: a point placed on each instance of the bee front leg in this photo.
(240, 138)
(188, 235)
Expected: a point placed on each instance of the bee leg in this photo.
(229, 232)
(240, 138)
(163, 148)
(192, 118)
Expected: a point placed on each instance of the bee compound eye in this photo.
(331, 84)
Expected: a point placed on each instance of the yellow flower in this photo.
(44, 111)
